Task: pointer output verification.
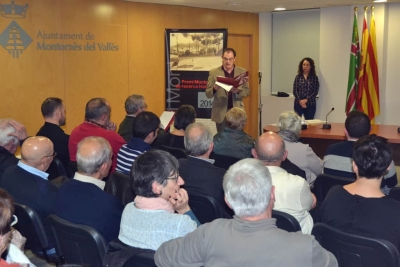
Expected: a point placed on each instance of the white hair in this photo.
(91, 163)
(5, 129)
(247, 185)
(197, 145)
(290, 121)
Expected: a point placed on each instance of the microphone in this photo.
(326, 125)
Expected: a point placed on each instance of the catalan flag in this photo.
(352, 84)
(361, 76)
(370, 99)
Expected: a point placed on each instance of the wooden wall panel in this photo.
(76, 76)
(242, 45)
(97, 73)
(146, 47)
(26, 81)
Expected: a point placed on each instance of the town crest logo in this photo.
(14, 39)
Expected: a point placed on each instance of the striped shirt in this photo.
(129, 152)
(338, 162)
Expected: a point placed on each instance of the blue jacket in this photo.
(85, 203)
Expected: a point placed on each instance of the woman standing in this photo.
(305, 89)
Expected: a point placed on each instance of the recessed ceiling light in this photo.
(280, 8)
(380, 1)
(234, 4)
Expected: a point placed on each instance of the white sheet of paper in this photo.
(166, 117)
(227, 87)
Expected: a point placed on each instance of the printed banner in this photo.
(190, 54)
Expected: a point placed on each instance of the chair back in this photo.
(142, 259)
(30, 226)
(60, 167)
(79, 244)
(206, 208)
(223, 161)
(73, 166)
(121, 255)
(325, 182)
(57, 169)
(119, 186)
(395, 193)
(286, 221)
(355, 250)
(176, 152)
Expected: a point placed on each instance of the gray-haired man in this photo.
(251, 237)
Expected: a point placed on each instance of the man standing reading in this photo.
(224, 100)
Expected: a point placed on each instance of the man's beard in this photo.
(62, 121)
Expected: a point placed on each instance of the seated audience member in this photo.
(184, 116)
(144, 130)
(134, 104)
(7, 220)
(54, 114)
(151, 220)
(292, 193)
(201, 176)
(251, 238)
(233, 142)
(97, 123)
(82, 200)
(11, 134)
(360, 207)
(289, 126)
(337, 160)
(27, 181)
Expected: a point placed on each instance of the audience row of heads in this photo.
(247, 184)
(98, 111)
(372, 154)
(357, 124)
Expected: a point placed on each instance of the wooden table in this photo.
(319, 139)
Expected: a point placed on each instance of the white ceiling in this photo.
(258, 6)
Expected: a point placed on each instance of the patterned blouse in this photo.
(306, 88)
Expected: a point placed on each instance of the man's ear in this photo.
(272, 197)
(346, 133)
(58, 112)
(227, 203)
(211, 147)
(105, 168)
(254, 153)
(355, 168)
(285, 155)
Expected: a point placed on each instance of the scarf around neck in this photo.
(288, 136)
(153, 203)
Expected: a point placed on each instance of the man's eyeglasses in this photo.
(52, 155)
(228, 59)
(174, 176)
(145, 106)
(14, 220)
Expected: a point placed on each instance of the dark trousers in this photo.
(220, 126)
(308, 112)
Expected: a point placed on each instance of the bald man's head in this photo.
(270, 148)
(38, 152)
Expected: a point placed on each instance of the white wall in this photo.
(390, 106)
(335, 40)
(295, 35)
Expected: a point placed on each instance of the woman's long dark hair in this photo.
(312, 65)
